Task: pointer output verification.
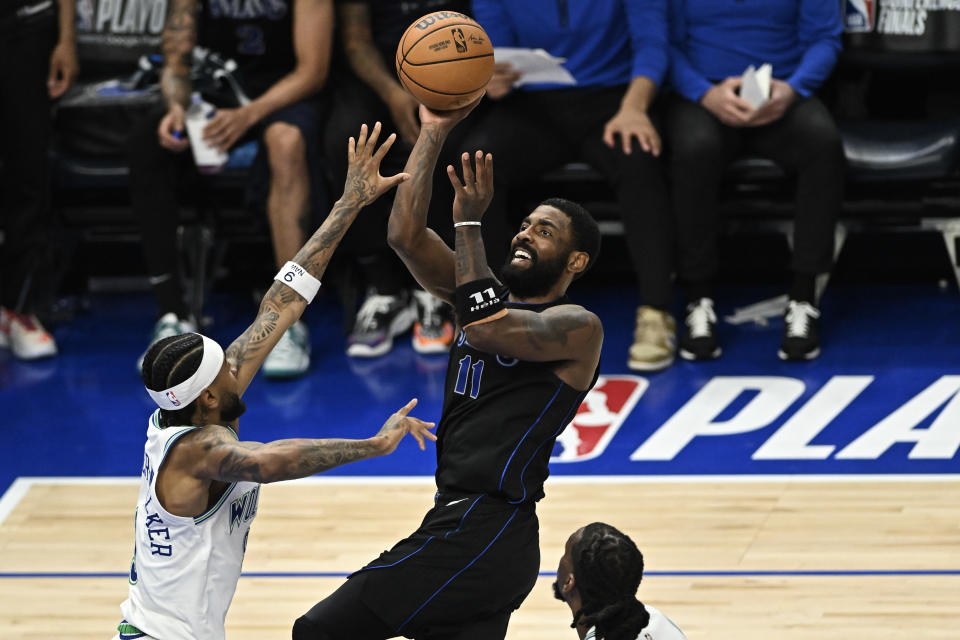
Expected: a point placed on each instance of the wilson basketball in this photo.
(445, 60)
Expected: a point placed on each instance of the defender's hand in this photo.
(364, 182)
(473, 195)
(399, 424)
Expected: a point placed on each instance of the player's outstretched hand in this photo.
(400, 424)
(364, 182)
(473, 195)
(446, 120)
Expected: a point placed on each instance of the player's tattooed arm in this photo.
(178, 40)
(426, 255)
(281, 306)
(218, 455)
(564, 332)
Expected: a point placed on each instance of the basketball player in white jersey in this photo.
(200, 484)
(598, 577)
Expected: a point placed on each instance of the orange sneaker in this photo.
(433, 331)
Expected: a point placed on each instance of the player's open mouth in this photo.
(521, 256)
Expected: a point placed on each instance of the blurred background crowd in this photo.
(655, 138)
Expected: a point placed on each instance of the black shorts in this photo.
(305, 115)
(474, 558)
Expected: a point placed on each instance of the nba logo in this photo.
(172, 398)
(859, 16)
(599, 417)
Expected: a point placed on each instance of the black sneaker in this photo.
(699, 340)
(801, 334)
(380, 319)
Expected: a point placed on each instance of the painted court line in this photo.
(547, 574)
(21, 485)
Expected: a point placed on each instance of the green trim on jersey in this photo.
(591, 634)
(213, 509)
(128, 629)
(174, 439)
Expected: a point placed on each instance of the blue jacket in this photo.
(605, 42)
(714, 39)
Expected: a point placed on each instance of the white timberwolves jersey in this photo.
(660, 627)
(185, 570)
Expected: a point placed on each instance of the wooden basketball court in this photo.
(733, 558)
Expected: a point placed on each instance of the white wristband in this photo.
(467, 223)
(298, 279)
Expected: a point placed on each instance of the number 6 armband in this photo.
(298, 279)
(480, 301)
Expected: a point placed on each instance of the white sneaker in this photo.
(28, 339)
(168, 325)
(290, 358)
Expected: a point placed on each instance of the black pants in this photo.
(353, 103)
(804, 142)
(460, 575)
(532, 132)
(25, 186)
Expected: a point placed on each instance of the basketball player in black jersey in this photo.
(524, 359)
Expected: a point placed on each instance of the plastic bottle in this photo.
(209, 159)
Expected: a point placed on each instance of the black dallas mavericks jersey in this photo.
(257, 34)
(501, 417)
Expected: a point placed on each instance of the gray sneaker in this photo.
(290, 358)
(168, 325)
(380, 319)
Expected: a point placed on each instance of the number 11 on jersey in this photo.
(466, 365)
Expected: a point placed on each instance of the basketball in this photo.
(445, 60)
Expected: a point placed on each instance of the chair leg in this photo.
(950, 232)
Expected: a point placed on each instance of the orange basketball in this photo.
(445, 60)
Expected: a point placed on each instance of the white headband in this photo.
(189, 390)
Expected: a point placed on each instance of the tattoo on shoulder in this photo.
(542, 332)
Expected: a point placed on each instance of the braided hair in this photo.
(608, 568)
(167, 363)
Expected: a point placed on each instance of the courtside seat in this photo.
(92, 201)
(901, 151)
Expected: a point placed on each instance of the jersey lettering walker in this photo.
(185, 569)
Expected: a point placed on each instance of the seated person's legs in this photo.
(24, 191)
(806, 142)
(154, 173)
(639, 181)
(699, 149)
(388, 309)
(291, 142)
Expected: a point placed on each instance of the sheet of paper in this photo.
(755, 84)
(537, 66)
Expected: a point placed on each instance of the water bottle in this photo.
(207, 158)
